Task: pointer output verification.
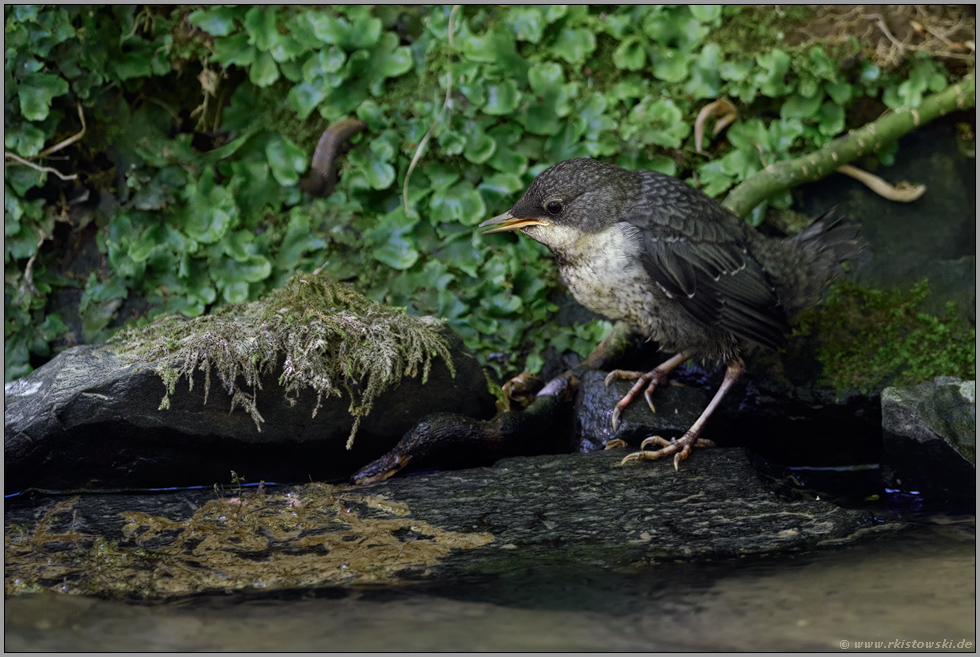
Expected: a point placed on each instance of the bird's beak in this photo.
(507, 221)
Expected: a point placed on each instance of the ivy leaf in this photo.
(457, 204)
(36, 92)
(800, 107)
(395, 63)
(216, 21)
(264, 71)
(630, 54)
(260, 24)
(26, 140)
(771, 80)
(527, 23)
(502, 98)
(574, 45)
(304, 97)
(705, 13)
(234, 50)
(286, 160)
(393, 249)
(479, 147)
(830, 119)
(670, 65)
(364, 33)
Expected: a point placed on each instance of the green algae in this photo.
(870, 338)
(305, 536)
(321, 334)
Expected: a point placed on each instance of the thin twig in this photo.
(908, 46)
(903, 192)
(442, 112)
(67, 142)
(19, 159)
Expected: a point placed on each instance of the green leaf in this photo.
(574, 45)
(527, 23)
(36, 92)
(799, 107)
(705, 13)
(396, 62)
(264, 71)
(771, 80)
(364, 32)
(286, 160)
(260, 24)
(304, 98)
(831, 119)
(26, 140)
(479, 147)
(670, 65)
(234, 50)
(393, 249)
(457, 204)
(840, 92)
(502, 98)
(216, 21)
(630, 54)
(372, 115)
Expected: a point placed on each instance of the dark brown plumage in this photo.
(671, 261)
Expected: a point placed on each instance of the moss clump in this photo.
(321, 333)
(305, 536)
(871, 338)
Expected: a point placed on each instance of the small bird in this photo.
(651, 250)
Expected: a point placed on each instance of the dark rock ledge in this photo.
(567, 509)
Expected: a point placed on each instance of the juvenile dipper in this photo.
(653, 251)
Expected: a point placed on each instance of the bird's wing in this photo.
(694, 253)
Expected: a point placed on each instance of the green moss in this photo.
(321, 333)
(870, 338)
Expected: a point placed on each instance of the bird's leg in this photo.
(681, 448)
(655, 377)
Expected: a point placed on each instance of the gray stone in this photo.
(561, 510)
(87, 419)
(929, 434)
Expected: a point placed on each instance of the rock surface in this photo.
(929, 434)
(88, 419)
(569, 509)
(777, 418)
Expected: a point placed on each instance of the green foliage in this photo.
(201, 121)
(871, 338)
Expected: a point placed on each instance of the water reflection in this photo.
(918, 585)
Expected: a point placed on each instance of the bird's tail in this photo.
(830, 238)
(812, 257)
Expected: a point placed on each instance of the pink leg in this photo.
(655, 377)
(681, 448)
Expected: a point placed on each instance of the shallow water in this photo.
(915, 586)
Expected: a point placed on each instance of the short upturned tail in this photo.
(812, 258)
(830, 238)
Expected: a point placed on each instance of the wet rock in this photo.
(88, 419)
(933, 237)
(569, 509)
(786, 419)
(677, 407)
(930, 438)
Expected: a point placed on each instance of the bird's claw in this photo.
(615, 443)
(650, 379)
(681, 449)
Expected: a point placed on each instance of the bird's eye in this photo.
(554, 207)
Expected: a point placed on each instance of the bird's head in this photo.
(570, 198)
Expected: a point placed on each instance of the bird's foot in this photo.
(651, 380)
(680, 448)
(616, 443)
